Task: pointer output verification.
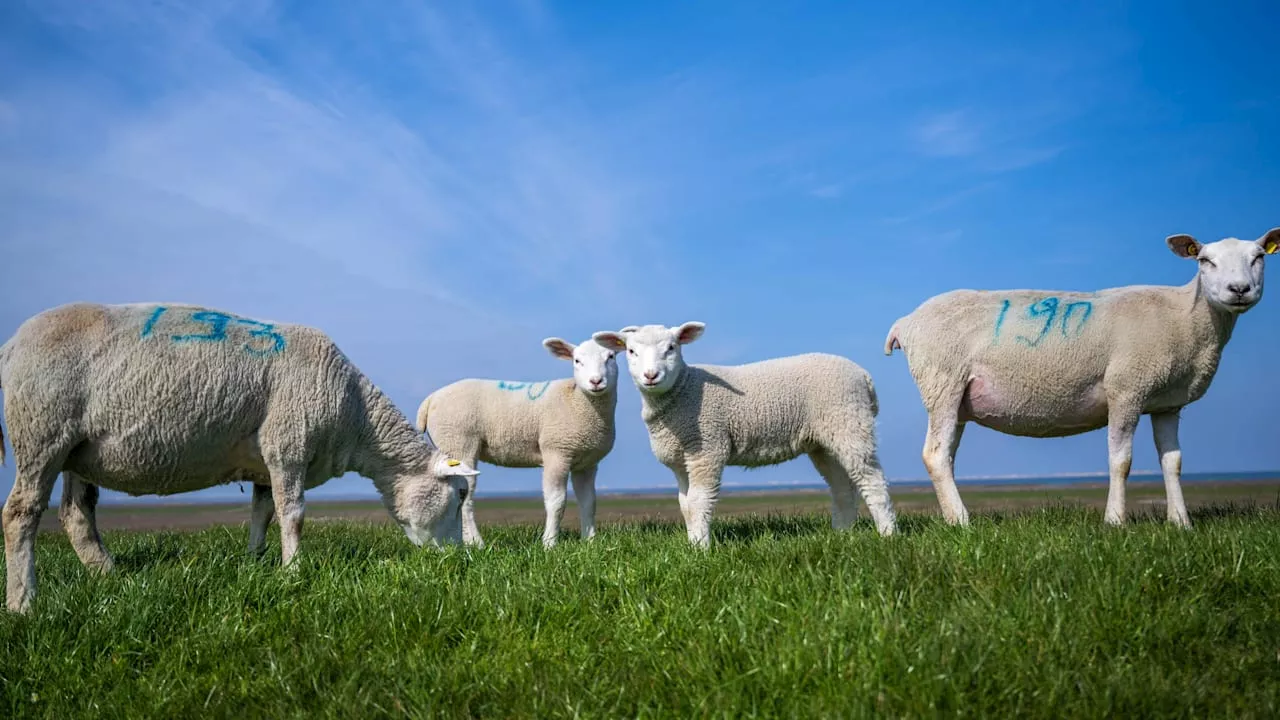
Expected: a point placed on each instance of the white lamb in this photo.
(565, 426)
(704, 417)
(1041, 363)
(163, 399)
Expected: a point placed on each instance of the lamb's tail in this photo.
(891, 342)
(871, 393)
(422, 414)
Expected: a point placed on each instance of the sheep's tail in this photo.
(871, 394)
(422, 414)
(891, 342)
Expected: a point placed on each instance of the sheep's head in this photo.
(654, 357)
(1230, 269)
(428, 503)
(595, 371)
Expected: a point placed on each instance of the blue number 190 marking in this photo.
(217, 323)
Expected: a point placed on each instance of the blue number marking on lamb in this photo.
(533, 391)
(1086, 309)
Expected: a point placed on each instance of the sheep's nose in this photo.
(1239, 288)
(650, 374)
(595, 381)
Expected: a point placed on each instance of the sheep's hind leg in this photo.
(27, 502)
(844, 503)
(1121, 423)
(470, 531)
(78, 515)
(940, 446)
(584, 490)
(862, 466)
(262, 508)
(1164, 426)
(555, 480)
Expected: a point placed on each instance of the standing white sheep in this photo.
(163, 399)
(1042, 363)
(565, 426)
(704, 417)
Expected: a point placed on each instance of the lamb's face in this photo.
(429, 504)
(595, 370)
(654, 357)
(1230, 269)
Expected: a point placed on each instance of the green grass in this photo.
(1043, 613)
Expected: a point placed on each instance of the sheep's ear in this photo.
(447, 466)
(689, 332)
(611, 340)
(1270, 242)
(1183, 246)
(560, 348)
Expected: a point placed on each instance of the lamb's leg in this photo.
(682, 492)
(863, 466)
(704, 490)
(1121, 422)
(584, 489)
(287, 485)
(555, 482)
(844, 503)
(940, 445)
(470, 531)
(27, 502)
(1164, 426)
(78, 515)
(262, 507)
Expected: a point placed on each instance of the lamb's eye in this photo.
(630, 351)
(1257, 259)
(1207, 261)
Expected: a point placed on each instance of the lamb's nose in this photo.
(1239, 288)
(596, 381)
(650, 374)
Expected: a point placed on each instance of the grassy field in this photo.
(1034, 612)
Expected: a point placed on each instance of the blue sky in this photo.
(441, 185)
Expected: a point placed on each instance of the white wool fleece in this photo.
(1042, 363)
(702, 418)
(170, 398)
(565, 426)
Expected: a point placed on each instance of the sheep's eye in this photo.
(1207, 261)
(1257, 259)
(630, 351)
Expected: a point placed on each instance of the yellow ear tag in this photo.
(1193, 250)
(1271, 247)
(454, 463)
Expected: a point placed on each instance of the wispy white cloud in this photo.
(949, 134)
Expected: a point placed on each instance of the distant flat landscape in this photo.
(1144, 495)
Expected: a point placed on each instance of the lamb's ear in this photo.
(611, 340)
(560, 348)
(447, 466)
(1183, 245)
(689, 332)
(1270, 242)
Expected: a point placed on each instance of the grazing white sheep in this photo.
(565, 426)
(1043, 363)
(704, 417)
(163, 399)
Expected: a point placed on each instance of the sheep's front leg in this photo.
(584, 489)
(27, 502)
(704, 490)
(1121, 422)
(78, 513)
(1164, 426)
(262, 507)
(287, 484)
(555, 482)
